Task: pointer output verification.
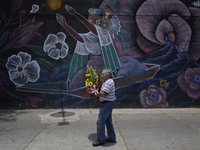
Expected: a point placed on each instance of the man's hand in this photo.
(70, 10)
(97, 94)
(100, 93)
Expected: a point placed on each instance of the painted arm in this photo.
(71, 31)
(90, 26)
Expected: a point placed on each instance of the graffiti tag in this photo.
(164, 83)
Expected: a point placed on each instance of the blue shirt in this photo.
(109, 88)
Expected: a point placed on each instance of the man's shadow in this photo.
(93, 137)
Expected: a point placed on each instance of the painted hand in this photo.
(70, 10)
(60, 19)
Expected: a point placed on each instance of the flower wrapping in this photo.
(93, 82)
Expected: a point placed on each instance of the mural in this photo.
(151, 46)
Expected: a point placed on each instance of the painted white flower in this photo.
(55, 45)
(35, 8)
(22, 69)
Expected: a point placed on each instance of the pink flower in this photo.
(31, 100)
(189, 82)
(89, 90)
(95, 90)
(2, 82)
(153, 97)
(22, 35)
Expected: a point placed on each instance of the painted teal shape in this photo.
(110, 57)
(121, 42)
(124, 37)
(78, 62)
(127, 31)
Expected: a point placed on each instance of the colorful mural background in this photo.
(156, 42)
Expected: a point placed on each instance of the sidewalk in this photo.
(136, 129)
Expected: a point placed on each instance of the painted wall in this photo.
(152, 47)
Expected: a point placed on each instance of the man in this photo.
(107, 99)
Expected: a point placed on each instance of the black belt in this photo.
(103, 102)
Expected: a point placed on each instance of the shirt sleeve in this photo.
(106, 88)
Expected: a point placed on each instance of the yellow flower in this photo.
(86, 81)
(87, 75)
(90, 83)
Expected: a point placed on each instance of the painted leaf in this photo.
(45, 64)
(2, 14)
(37, 50)
(3, 38)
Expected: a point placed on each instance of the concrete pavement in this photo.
(75, 129)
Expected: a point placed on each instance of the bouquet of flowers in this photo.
(93, 82)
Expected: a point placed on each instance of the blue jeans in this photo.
(105, 118)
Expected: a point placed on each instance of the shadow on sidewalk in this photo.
(93, 137)
(10, 115)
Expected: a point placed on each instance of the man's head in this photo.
(106, 73)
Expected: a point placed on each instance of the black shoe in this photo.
(108, 140)
(97, 143)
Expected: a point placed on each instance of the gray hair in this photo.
(108, 72)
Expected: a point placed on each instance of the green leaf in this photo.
(2, 14)
(45, 64)
(3, 38)
(37, 50)
(67, 59)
